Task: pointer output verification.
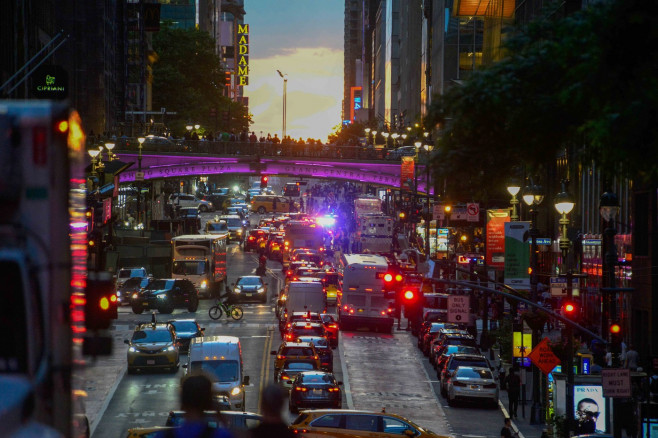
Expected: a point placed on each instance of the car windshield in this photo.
(151, 336)
(184, 326)
(216, 226)
(318, 379)
(189, 268)
(223, 370)
(160, 284)
(470, 373)
(234, 222)
(249, 281)
(317, 341)
(298, 366)
(460, 349)
(468, 362)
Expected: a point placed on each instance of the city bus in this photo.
(200, 259)
(362, 302)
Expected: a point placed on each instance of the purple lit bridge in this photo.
(366, 169)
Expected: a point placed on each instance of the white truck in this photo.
(305, 296)
(200, 258)
(374, 233)
(43, 266)
(367, 205)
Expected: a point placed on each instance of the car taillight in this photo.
(289, 272)
(297, 431)
(300, 389)
(252, 238)
(284, 377)
(334, 389)
(315, 357)
(280, 356)
(333, 326)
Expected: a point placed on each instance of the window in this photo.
(361, 422)
(222, 370)
(331, 420)
(395, 426)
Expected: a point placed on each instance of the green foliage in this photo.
(347, 134)
(575, 82)
(188, 79)
(503, 336)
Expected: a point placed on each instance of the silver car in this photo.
(472, 384)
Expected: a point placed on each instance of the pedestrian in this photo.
(631, 358)
(513, 391)
(608, 357)
(507, 431)
(272, 400)
(196, 398)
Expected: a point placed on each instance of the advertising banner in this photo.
(407, 174)
(517, 255)
(589, 405)
(495, 243)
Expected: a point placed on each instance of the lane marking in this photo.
(343, 365)
(506, 415)
(265, 364)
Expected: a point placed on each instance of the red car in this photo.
(331, 327)
(252, 240)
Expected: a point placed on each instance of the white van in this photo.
(305, 296)
(221, 358)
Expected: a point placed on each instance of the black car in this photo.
(130, 287)
(249, 287)
(165, 295)
(186, 330)
(323, 349)
(315, 389)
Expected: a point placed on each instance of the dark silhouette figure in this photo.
(272, 401)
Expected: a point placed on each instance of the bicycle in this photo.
(220, 308)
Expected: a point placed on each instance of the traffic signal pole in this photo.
(569, 412)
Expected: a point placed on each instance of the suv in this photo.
(125, 273)
(165, 295)
(460, 359)
(236, 227)
(346, 423)
(130, 287)
(153, 345)
(185, 200)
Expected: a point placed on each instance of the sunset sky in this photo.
(303, 39)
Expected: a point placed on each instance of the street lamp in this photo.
(513, 189)
(189, 127)
(386, 135)
(395, 137)
(533, 196)
(285, 103)
(110, 154)
(93, 153)
(138, 180)
(196, 127)
(564, 204)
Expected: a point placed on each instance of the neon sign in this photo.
(243, 54)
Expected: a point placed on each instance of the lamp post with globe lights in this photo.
(513, 188)
(564, 204)
(110, 155)
(138, 180)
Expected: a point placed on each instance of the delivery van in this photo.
(220, 357)
(305, 296)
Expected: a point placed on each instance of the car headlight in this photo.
(236, 290)
(132, 349)
(118, 293)
(204, 284)
(236, 390)
(239, 231)
(261, 289)
(135, 295)
(170, 348)
(161, 296)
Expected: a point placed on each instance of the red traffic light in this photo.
(399, 277)
(263, 181)
(409, 295)
(615, 329)
(388, 277)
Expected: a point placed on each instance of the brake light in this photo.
(334, 389)
(383, 313)
(345, 307)
(284, 377)
(252, 238)
(315, 357)
(289, 272)
(300, 389)
(279, 356)
(388, 277)
(351, 310)
(333, 326)
(297, 431)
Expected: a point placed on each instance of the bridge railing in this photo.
(265, 149)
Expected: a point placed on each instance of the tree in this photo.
(188, 79)
(347, 134)
(572, 83)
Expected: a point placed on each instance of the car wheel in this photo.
(261, 210)
(193, 305)
(166, 309)
(138, 309)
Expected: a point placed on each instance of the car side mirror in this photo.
(126, 341)
(245, 380)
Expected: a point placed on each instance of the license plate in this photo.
(475, 386)
(145, 304)
(248, 295)
(317, 392)
(150, 362)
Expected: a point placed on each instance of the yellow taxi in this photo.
(153, 346)
(343, 423)
(271, 203)
(331, 282)
(295, 350)
(148, 432)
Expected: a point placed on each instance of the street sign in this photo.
(459, 307)
(438, 212)
(559, 287)
(473, 212)
(139, 176)
(543, 357)
(616, 382)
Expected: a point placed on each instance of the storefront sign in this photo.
(50, 82)
(517, 255)
(407, 174)
(243, 55)
(496, 237)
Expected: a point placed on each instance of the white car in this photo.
(474, 384)
(185, 200)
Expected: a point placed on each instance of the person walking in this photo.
(507, 431)
(272, 400)
(513, 391)
(632, 358)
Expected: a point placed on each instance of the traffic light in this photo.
(411, 298)
(402, 216)
(570, 310)
(101, 303)
(263, 181)
(227, 78)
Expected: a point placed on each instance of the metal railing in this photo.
(261, 149)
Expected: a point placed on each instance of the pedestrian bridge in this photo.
(191, 158)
